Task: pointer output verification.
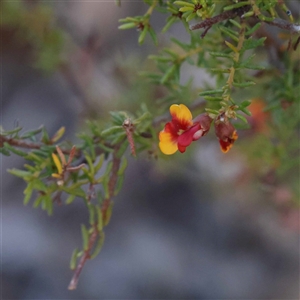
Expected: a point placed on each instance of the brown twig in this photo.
(208, 23)
(19, 143)
(93, 237)
(111, 185)
(86, 255)
(286, 25)
(129, 128)
(30, 145)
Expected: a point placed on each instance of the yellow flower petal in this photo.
(182, 113)
(57, 163)
(167, 145)
(55, 175)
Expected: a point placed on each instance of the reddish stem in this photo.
(86, 255)
(83, 259)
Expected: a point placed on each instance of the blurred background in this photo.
(194, 227)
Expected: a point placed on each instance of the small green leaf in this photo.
(100, 162)
(10, 132)
(171, 71)
(220, 54)
(99, 245)
(190, 17)
(210, 98)
(92, 214)
(232, 47)
(110, 131)
(85, 237)
(186, 8)
(38, 201)
(20, 173)
(123, 166)
(153, 36)
(245, 103)
(105, 186)
(105, 148)
(180, 44)
(171, 53)
(99, 219)
(91, 165)
(242, 118)
(108, 213)
(70, 199)
(170, 22)
(235, 23)
(34, 157)
(4, 151)
(212, 111)
(127, 25)
(243, 84)
(143, 117)
(184, 3)
(28, 193)
(160, 58)
(122, 149)
(118, 137)
(32, 133)
(253, 43)
(229, 32)
(236, 5)
(254, 67)
(219, 70)
(245, 110)
(118, 117)
(48, 204)
(254, 28)
(73, 261)
(58, 134)
(248, 14)
(45, 136)
(211, 92)
(119, 185)
(143, 35)
(79, 192)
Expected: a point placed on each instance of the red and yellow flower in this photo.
(182, 130)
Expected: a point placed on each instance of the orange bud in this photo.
(226, 133)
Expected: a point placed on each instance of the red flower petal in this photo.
(186, 138)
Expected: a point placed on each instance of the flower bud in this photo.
(205, 121)
(226, 133)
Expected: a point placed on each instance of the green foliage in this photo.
(33, 26)
(227, 48)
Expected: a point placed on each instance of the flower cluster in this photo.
(183, 130)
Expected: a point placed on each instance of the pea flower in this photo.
(182, 130)
(225, 132)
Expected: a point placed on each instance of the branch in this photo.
(19, 143)
(93, 237)
(111, 185)
(84, 258)
(286, 25)
(230, 14)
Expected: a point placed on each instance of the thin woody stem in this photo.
(237, 54)
(93, 237)
(286, 25)
(230, 14)
(28, 145)
(84, 258)
(19, 143)
(111, 184)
